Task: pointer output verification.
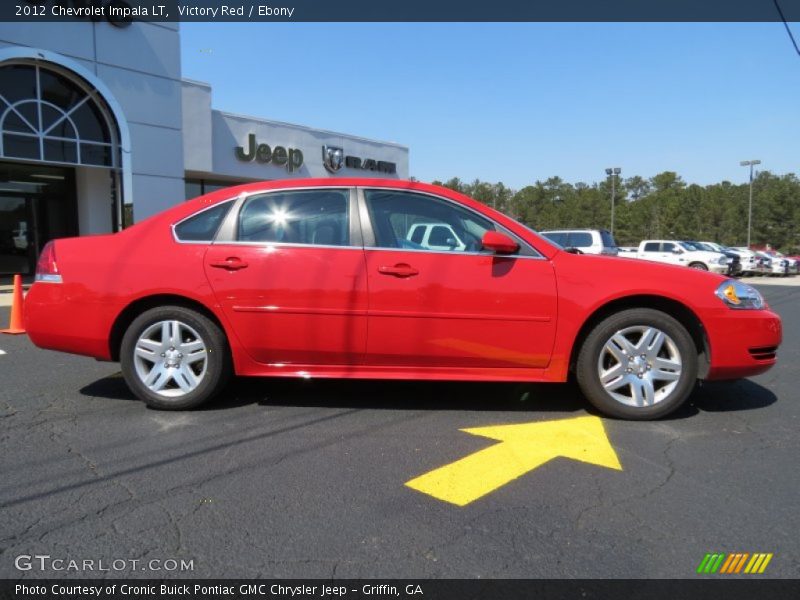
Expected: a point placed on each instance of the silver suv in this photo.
(587, 241)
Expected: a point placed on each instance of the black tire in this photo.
(699, 266)
(665, 400)
(215, 358)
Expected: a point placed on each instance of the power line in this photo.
(786, 25)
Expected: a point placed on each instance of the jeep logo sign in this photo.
(291, 158)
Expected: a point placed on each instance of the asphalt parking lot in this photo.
(307, 478)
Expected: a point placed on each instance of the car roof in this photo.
(190, 207)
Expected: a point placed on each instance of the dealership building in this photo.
(97, 128)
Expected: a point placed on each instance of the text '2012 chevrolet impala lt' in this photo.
(331, 278)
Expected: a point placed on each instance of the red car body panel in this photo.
(310, 311)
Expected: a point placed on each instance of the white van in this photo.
(588, 241)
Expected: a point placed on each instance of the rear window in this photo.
(608, 239)
(317, 217)
(580, 239)
(203, 226)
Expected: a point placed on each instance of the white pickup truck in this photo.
(676, 252)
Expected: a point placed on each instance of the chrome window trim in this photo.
(194, 214)
(452, 253)
(285, 245)
(369, 233)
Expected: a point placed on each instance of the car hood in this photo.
(619, 273)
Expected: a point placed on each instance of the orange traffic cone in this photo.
(15, 324)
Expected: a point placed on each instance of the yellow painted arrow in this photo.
(522, 448)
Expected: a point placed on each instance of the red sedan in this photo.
(331, 278)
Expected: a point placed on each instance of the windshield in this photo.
(687, 246)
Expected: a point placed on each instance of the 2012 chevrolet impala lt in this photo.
(386, 279)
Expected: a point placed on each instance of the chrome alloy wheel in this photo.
(170, 358)
(639, 366)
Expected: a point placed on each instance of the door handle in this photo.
(398, 270)
(232, 263)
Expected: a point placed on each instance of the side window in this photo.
(667, 247)
(417, 234)
(651, 247)
(557, 237)
(203, 226)
(317, 217)
(580, 239)
(394, 214)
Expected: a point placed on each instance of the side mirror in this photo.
(677, 251)
(499, 243)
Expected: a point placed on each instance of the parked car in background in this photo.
(677, 252)
(587, 241)
(434, 236)
(734, 262)
(791, 263)
(20, 236)
(311, 278)
(774, 265)
(748, 259)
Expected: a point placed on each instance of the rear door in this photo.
(672, 253)
(290, 277)
(455, 308)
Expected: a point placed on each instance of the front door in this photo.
(37, 204)
(454, 307)
(292, 283)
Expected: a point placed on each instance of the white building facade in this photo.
(98, 129)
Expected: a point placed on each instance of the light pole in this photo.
(751, 164)
(613, 172)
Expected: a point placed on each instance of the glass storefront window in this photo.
(72, 129)
(199, 187)
(37, 204)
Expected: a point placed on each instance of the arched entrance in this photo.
(61, 159)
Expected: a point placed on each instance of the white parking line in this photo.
(2, 352)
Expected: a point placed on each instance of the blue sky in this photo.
(523, 101)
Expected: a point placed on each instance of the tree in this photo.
(663, 206)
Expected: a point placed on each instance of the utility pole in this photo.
(613, 172)
(751, 164)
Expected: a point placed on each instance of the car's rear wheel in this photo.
(699, 266)
(637, 364)
(174, 358)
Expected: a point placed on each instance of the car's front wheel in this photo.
(174, 358)
(637, 364)
(699, 266)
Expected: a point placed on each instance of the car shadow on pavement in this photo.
(438, 395)
(416, 395)
(370, 394)
(728, 396)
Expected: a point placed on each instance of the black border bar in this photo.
(404, 10)
(701, 588)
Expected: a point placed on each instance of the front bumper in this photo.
(742, 343)
(721, 269)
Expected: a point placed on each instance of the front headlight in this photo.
(740, 295)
